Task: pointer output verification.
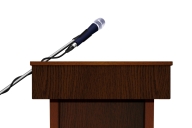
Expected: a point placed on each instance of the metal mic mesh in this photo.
(100, 22)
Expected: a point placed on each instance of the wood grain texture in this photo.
(149, 114)
(102, 114)
(54, 114)
(101, 81)
(102, 63)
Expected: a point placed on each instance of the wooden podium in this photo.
(101, 94)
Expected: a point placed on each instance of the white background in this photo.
(145, 30)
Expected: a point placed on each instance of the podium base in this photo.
(101, 113)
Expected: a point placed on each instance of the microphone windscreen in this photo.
(100, 22)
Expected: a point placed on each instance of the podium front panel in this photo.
(101, 80)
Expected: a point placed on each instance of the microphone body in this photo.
(86, 34)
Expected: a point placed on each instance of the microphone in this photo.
(94, 27)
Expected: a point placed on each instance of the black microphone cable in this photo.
(69, 48)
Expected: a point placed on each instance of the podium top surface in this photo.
(102, 63)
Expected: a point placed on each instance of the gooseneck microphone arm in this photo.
(98, 24)
(16, 80)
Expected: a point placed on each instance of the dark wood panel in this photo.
(149, 114)
(102, 114)
(101, 82)
(102, 63)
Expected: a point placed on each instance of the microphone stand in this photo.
(30, 71)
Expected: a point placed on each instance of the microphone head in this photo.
(100, 22)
